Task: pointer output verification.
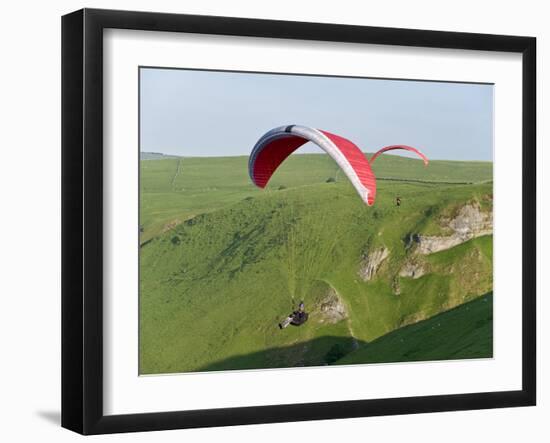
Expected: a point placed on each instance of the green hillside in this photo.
(222, 262)
(175, 189)
(463, 332)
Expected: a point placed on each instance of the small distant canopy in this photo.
(276, 145)
(404, 147)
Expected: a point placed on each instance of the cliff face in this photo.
(412, 269)
(371, 261)
(470, 222)
(331, 308)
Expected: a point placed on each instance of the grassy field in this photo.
(222, 262)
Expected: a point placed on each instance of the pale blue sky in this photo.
(202, 113)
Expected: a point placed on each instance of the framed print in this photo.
(269, 221)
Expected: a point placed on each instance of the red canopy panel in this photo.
(272, 155)
(358, 162)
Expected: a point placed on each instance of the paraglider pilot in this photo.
(297, 317)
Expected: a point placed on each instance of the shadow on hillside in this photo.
(320, 351)
(463, 332)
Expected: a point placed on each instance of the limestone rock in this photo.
(412, 269)
(371, 262)
(331, 308)
(470, 222)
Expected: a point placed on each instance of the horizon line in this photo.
(305, 153)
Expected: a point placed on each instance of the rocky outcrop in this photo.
(396, 286)
(371, 262)
(412, 269)
(331, 308)
(470, 222)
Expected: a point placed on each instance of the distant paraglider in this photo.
(276, 145)
(404, 147)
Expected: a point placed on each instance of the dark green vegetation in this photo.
(463, 332)
(222, 262)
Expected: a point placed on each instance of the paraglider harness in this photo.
(297, 318)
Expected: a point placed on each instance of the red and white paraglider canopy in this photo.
(276, 145)
(404, 147)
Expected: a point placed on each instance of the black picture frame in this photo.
(82, 218)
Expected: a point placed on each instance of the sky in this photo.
(213, 113)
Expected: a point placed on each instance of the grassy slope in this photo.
(463, 332)
(173, 190)
(214, 287)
